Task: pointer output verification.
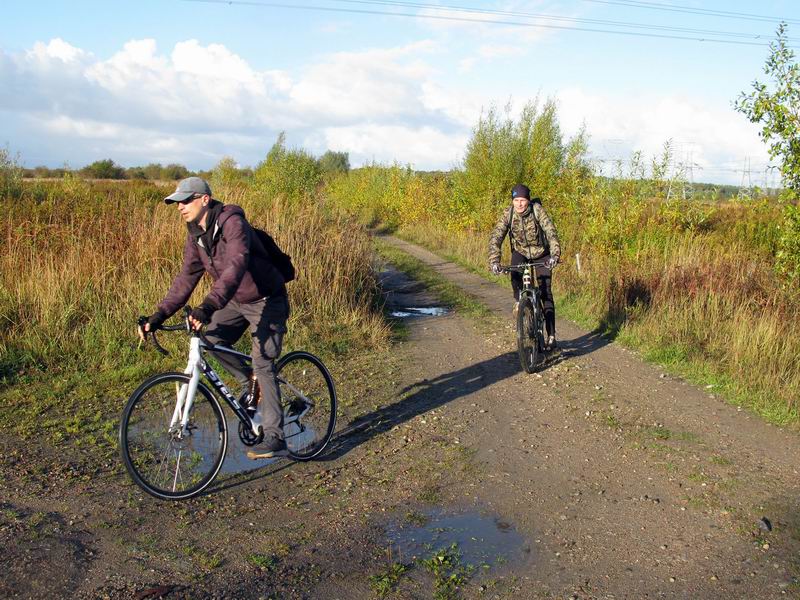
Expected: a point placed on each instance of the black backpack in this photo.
(279, 259)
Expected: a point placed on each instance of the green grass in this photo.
(384, 582)
(265, 562)
(721, 460)
(449, 572)
(430, 495)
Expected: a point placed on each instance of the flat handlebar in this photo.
(522, 266)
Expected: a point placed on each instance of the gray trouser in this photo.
(266, 320)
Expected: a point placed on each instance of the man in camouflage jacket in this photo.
(533, 237)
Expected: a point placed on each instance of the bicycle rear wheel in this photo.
(308, 398)
(527, 342)
(170, 464)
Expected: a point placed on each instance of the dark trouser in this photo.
(544, 276)
(266, 320)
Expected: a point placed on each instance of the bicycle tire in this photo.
(541, 331)
(153, 456)
(527, 343)
(302, 376)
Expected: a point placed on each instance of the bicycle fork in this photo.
(185, 392)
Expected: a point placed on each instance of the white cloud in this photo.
(56, 49)
(66, 126)
(512, 32)
(194, 104)
(715, 137)
(201, 102)
(423, 147)
(372, 84)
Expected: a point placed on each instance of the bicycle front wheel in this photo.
(308, 399)
(527, 342)
(166, 462)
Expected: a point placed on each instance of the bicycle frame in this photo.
(197, 365)
(194, 367)
(530, 283)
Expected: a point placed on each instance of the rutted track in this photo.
(635, 483)
(622, 482)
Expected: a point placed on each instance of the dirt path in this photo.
(636, 484)
(452, 474)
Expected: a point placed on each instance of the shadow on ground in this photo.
(422, 397)
(583, 344)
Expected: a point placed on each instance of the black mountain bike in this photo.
(173, 434)
(531, 340)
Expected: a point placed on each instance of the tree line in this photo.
(329, 162)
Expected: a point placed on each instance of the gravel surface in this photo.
(618, 481)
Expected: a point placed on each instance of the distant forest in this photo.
(334, 161)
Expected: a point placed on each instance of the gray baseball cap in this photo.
(187, 188)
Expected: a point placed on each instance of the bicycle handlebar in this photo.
(187, 310)
(522, 266)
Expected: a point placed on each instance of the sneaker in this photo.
(552, 344)
(271, 448)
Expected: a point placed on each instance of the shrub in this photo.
(103, 169)
(288, 174)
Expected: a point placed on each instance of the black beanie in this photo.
(520, 190)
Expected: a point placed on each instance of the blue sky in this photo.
(191, 81)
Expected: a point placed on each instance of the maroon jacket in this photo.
(238, 273)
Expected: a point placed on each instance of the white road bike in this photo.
(173, 434)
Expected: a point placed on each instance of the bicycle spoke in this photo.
(309, 404)
(165, 462)
(177, 471)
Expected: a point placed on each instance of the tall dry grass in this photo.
(691, 284)
(82, 260)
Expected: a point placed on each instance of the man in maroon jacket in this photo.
(248, 293)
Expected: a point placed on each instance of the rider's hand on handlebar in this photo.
(201, 315)
(148, 324)
(195, 324)
(552, 262)
(496, 269)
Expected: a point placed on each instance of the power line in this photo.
(530, 15)
(696, 11)
(472, 20)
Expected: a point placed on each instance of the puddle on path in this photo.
(404, 312)
(236, 460)
(482, 540)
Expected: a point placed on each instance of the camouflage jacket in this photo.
(525, 233)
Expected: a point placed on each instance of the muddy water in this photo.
(236, 460)
(481, 539)
(404, 312)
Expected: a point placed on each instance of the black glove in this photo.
(203, 313)
(155, 320)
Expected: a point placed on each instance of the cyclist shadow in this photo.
(421, 397)
(579, 346)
